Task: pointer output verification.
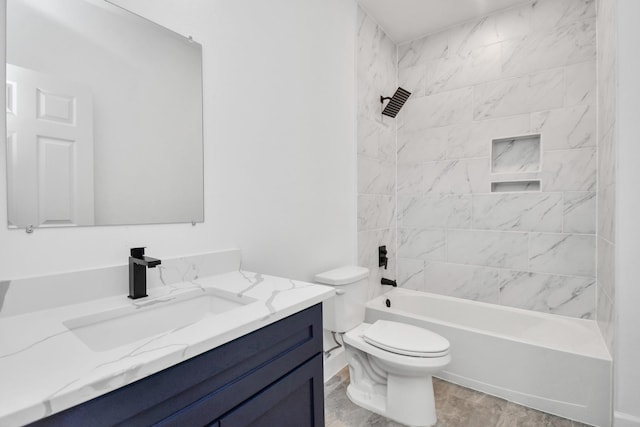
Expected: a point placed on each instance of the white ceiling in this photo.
(405, 20)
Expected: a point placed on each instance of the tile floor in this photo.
(456, 407)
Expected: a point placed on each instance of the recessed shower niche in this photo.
(515, 186)
(518, 160)
(516, 155)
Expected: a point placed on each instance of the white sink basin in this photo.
(150, 317)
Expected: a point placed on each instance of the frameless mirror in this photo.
(104, 117)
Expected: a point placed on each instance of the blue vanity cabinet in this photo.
(270, 377)
(284, 403)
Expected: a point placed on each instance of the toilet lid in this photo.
(405, 339)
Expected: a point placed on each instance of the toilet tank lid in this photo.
(343, 275)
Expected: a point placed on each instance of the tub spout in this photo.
(389, 282)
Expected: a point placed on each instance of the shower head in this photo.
(395, 102)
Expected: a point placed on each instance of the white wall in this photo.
(627, 294)
(283, 130)
(279, 107)
(607, 135)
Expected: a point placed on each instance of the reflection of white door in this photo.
(49, 150)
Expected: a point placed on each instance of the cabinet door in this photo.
(294, 400)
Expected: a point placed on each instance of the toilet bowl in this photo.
(390, 363)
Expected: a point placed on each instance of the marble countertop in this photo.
(46, 368)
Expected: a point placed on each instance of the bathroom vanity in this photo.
(209, 346)
(270, 377)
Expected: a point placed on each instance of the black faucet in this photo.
(138, 264)
(388, 282)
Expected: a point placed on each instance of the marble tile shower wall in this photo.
(607, 82)
(377, 75)
(529, 70)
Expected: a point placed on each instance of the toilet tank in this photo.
(345, 310)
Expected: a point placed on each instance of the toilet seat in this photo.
(406, 340)
(402, 363)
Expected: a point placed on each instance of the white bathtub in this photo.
(552, 363)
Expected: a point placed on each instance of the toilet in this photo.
(390, 363)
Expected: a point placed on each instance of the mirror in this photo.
(104, 117)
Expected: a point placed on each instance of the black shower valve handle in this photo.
(382, 257)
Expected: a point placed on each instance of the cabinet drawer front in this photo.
(295, 399)
(292, 341)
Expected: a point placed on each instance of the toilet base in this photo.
(373, 403)
(424, 417)
(407, 400)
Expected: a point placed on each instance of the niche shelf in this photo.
(515, 186)
(516, 155)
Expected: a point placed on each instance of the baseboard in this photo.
(334, 363)
(620, 419)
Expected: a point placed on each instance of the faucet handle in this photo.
(382, 257)
(138, 252)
